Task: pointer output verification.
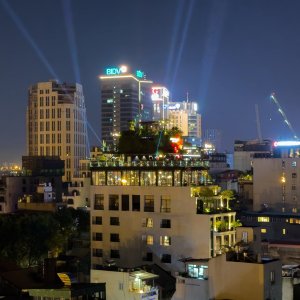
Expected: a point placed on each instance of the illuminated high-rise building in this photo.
(160, 98)
(184, 115)
(125, 97)
(56, 123)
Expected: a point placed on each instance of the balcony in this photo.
(139, 284)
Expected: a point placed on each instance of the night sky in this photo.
(229, 56)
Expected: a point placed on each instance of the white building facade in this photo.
(146, 215)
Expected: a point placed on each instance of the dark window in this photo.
(114, 221)
(114, 237)
(148, 256)
(149, 203)
(125, 202)
(70, 201)
(114, 253)
(272, 277)
(97, 236)
(99, 202)
(166, 258)
(97, 220)
(97, 252)
(294, 175)
(136, 206)
(165, 204)
(200, 206)
(113, 202)
(165, 223)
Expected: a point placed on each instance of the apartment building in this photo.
(150, 212)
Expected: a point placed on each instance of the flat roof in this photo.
(143, 275)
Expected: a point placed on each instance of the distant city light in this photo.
(286, 143)
(174, 139)
(123, 69)
(208, 146)
(176, 106)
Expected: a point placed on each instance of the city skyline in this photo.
(228, 55)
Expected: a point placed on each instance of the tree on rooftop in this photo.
(227, 195)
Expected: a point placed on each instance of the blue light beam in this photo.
(215, 26)
(182, 42)
(28, 37)
(67, 10)
(177, 23)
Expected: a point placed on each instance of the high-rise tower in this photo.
(185, 116)
(56, 123)
(125, 97)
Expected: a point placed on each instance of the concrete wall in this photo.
(190, 233)
(267, 185)
(191, 289)
(243, 281)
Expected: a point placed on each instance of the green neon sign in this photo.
(139, 74)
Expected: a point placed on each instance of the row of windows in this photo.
(98, 236)
(264, 230)
(44, 91)
(163, 240)
(150, 177)
(45, 126)
(148, 239)
(115, 253)
(53, 150)
(45, 139)
(267, 219)
(148, 222)
(114, 203)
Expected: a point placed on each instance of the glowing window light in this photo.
(263, 219)
(286, 143)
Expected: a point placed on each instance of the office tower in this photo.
(125, 97)
(160, 98)
(185, 116)
(56, 123)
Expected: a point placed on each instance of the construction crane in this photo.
(286, 121)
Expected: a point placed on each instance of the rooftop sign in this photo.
(159, 93)
(116, 70)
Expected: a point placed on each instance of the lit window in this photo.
(263, 230)
(165, 204)
(294, 164)
(149, 203)
(149, 222)
(263, 219)
(165, 240)
(149, 240)
(283, 231)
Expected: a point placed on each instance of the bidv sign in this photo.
(116, 71)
